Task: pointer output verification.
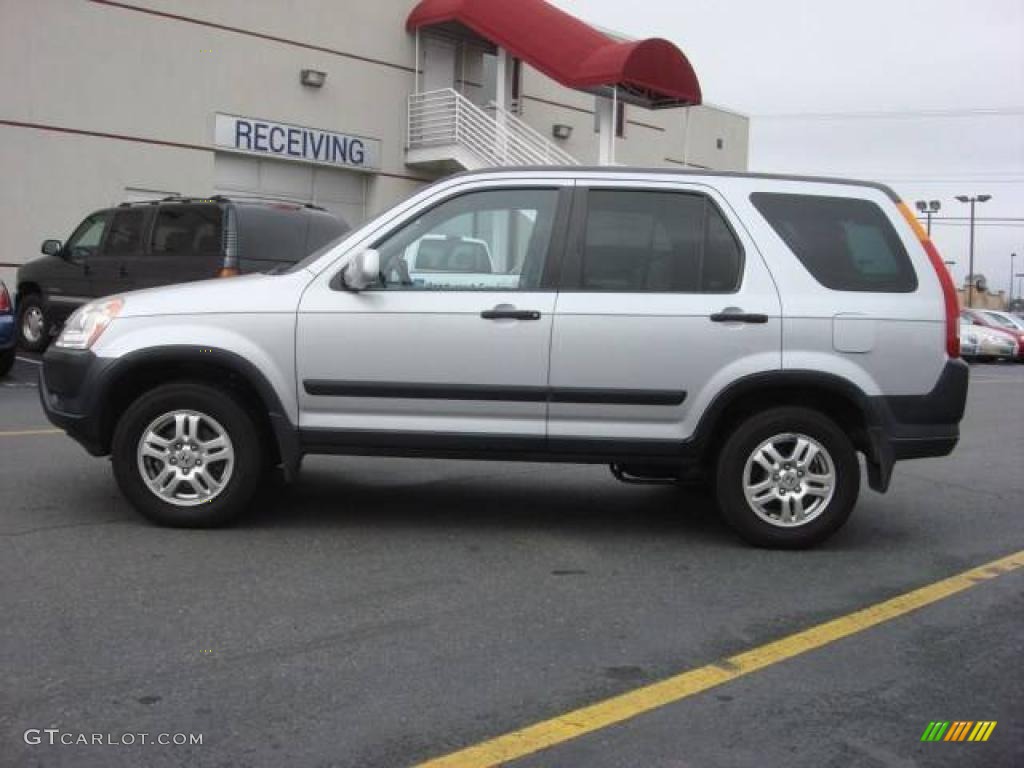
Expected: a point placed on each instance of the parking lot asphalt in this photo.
(382, 612)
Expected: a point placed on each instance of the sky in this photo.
(927, 97)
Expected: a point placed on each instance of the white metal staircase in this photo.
(446, 130)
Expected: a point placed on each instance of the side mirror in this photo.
(362, 271)
(51, 247)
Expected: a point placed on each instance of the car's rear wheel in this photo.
(187, 455)
(33, 328)
(787, 478)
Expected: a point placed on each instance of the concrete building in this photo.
(320, 101)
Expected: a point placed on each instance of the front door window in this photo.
(86, 239)
(493, 240)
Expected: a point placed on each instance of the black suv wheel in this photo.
(187, 455)
(33, 327)
(787, 478)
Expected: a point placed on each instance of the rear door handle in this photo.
(739, 317)
(510, 313)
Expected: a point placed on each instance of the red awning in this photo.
(653, 72)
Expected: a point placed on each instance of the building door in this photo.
(439, 61)
(341, 192)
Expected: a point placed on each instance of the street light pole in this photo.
(970, 269)
(1013, 258)
(928, 208)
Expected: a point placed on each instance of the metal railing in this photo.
(447, 118)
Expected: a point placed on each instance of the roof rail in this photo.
(250, 197)
(223, 199)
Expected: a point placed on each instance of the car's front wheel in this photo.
(33, 327)
(187, 455)
(787, 478)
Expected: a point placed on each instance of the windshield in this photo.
(1005, 320)
(303, 263)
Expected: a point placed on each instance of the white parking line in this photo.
(29, 360)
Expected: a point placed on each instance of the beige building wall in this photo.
(982, 299)
(101, 103)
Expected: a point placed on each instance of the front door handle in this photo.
(122, 272)
(505, 312)
(735, 316)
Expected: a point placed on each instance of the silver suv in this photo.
(758, 330)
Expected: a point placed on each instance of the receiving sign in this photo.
(295, 142)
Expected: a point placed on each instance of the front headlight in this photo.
(88, 323)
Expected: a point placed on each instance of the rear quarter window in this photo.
(283, 233)
(847, 244)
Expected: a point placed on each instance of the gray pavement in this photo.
(383, 611)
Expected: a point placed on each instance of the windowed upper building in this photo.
(351, 106)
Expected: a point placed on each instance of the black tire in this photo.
(6, 361)
(741, 444)
(32, 302)
(247, 473)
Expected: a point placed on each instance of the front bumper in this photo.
(67, 390)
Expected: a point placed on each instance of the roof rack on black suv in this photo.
(151, 243)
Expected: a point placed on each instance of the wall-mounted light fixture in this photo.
(561, 131)
(313, 78)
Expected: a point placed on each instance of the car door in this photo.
(443, 358)
(664, 301)
(186, 245)
(115, 266)
(67, 286)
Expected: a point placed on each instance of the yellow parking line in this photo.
(30, 432)
(548, 733)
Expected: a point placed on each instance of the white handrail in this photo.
(445, 118)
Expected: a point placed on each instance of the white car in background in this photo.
(970, 343)
(1005, 319)
(992, 344)
(454, 260)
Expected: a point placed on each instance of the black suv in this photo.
(174, 240)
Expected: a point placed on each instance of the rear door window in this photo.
(644, 241)
(187, 229)
(847, 244)
(126, 231)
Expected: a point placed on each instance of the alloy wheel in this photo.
(185, 458)
(789, 480)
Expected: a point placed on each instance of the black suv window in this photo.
(88, 236)
(125, 236)
(657, 242)
(187, 229)
(847, 244)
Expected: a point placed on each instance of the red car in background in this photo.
(993, 322)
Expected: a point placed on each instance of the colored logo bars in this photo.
(959, 730)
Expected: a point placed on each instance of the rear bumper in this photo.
(6, 331)
(917, 426)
